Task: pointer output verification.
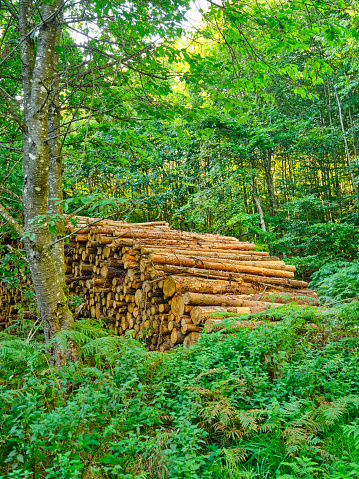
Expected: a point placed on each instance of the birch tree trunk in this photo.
(257, 200)
(55, 167)
(350, 166)
(267, 163)
(40, 176)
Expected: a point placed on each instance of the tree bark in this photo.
(200, 313)
(267, 164)
(220, 266)
(272, 282)
(55, 168)
(215, 325)
(200, 299)
(238, 255)
(38, 80)
(183, 284)
(257, 200)
(347, 152)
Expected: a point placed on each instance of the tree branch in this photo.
(11, 221)
(97, 68)
(82, 227)
(9, 102)
(11, 9)
(11, 193)
(11, 148)
(11, 169)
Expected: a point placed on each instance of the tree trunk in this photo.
(355, 189)
(257, 200)
(38, 81)
(267, 163)
(55, 170)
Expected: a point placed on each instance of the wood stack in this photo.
(165, 285)
(15, 285)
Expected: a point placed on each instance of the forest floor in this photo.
(279, 401)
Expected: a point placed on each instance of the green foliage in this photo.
(337, 281)
(13, 266)
(278, 401)
(314, 241)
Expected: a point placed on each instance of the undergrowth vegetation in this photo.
(337, 281)
(280, 401)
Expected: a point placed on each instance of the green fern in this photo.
(106, 346)
(230, 465)
(90, 339)
(352, 431)
(303, 467)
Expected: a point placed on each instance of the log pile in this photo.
(15, 285)
(165, 285)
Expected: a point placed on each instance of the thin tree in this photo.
(34, 34)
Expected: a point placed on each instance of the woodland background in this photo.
(256, 139)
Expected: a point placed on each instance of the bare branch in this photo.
(11, 170)
(10, 193)
(11, 221)
(11, 9)
(10, 148)
(10, 104)
(82, 228)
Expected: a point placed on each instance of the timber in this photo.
(180, 260)
(167, 286)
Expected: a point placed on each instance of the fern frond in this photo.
(88, 328)
(352, 430)
(249, 419)
(60, 339)
(334, 411)
(101, 346)
(5, 336)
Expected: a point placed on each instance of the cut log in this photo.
(230, 276)
(177, 337)
(189, 328)
(183, 284)
(138, 297)
(217, 324)
(238, 255)
(177, 305)
(167, 259)
(200, 313)
(200, 299)
(215, 258)
(190, 340)
(302, 296)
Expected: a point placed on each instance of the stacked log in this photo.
(165, 285)
(15, 285)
